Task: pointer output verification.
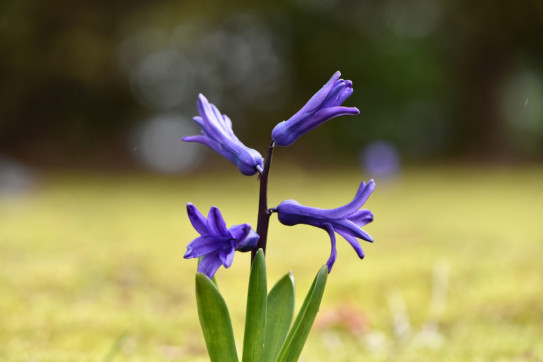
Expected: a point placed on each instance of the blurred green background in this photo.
(95, 96)
(438, 79)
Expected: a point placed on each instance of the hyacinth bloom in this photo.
(345, 220)
(218, 135)
(323, 106)
(216, 243)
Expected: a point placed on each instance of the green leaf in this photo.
(294, 344)
(278, 316)
(215, 321)
(255, 318)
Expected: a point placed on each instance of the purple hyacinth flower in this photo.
(345, 220)
(323, 106)
(216, 243)
(218, 135)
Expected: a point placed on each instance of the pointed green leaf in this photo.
(294, 344)
(278, 316)
(215, 321)
(255, 318)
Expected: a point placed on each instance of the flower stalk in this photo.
(263, 212)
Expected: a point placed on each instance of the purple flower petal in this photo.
(354, 243)
(205, 141)
(227, 256)
(291, 212)
(333, 253)
(209, 264)
(353, 229)
(228, 125)
(197, 220)
(240, 232)
(249, 242)
(326, 114)
(213, 124)
(361, 217)
(204, 245)
(341, 91)
(318, 98)
(362, 195)
(215, 222)
(199, 121)
(345, 92)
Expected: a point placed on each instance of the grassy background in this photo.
(91, 265)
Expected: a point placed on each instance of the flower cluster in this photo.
(217, 244)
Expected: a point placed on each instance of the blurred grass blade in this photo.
(255, 317)
(280, 311)
(294, 344)
(215, 321)
(115, 348)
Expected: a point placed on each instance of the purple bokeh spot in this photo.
(381, 159)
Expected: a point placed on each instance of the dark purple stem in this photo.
(263, 213)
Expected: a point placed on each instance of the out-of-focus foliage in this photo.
(434, 78)
(60, 91)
